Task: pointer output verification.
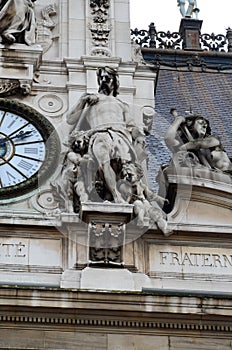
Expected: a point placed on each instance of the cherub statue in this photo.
(71, 186)
(147, 204)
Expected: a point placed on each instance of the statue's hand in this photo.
(90, 99)
(179, 119)
(161, 201)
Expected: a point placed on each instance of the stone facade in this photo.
(96, 278)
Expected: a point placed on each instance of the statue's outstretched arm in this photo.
(207, 142)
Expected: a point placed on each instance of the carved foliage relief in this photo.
(100, 27)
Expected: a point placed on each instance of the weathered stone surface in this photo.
(107, 279)
(137, 342)
(75, 341)
(181, 343)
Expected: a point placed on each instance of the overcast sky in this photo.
(216, 15)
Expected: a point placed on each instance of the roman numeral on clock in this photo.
(24, 165)
(30, 150)
(10, 176)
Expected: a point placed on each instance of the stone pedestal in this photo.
(110, 279)
(106, 231)
(190, 32)
(94, 211)
(18, 64)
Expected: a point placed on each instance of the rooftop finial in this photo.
(192, 8)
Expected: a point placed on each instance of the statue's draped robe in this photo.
(17, 18)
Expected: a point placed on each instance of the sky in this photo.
(216, 15)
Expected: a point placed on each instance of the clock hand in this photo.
(20, 135)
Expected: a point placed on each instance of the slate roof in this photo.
(206, 93)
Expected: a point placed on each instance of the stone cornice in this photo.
(203, 61)
(149, 302)
(148, 312)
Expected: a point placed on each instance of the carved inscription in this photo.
(190, 260)
(30, 252)
(195, 259)
(15, 250)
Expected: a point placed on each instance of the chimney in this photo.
(190, 30)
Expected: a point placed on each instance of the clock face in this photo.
(29, 148)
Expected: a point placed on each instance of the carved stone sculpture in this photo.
(106, 241)
(105, 149)
(17, 22)
(45, 27)
(136, 53)
(110, 129)
(147, 204)
(9, 87)
(100, 28)
(192, 143)
(71, 187)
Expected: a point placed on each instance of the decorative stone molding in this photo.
(100, 9)
(100, 33)
(52, 104)
(45, 201)
(100, 28)
(105, 242)
(132, 324)
(10, 87)
(7, 86)
(18, 71)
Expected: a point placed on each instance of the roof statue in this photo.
(193, 145)
(191, 9)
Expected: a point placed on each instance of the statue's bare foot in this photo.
(118, 199)
(9, 37)
(163, 225)
(167, 232)
(140, 222)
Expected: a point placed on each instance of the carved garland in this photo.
(100, 28)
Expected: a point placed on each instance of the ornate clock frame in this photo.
(50, 139)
